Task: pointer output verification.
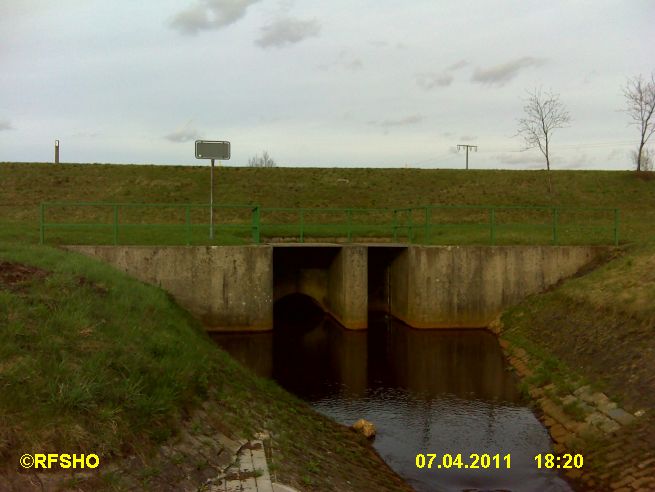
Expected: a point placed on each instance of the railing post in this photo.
(302, 225)
(616, 227)
(395, 225)
(555, 224)
(350, 220)
(188, 225)
(410, 226)
(115, 224)
(492, 225)
(41, 223)
(255, 225)
(425, 233)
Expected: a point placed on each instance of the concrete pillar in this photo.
(347, 287)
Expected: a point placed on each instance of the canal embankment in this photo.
(95, 362)
(585, 352)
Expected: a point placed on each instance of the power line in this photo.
(566, 146)
(432, 159)
(467, 147)
(590, 145)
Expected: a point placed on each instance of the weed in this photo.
(313, 466)
(575, 410)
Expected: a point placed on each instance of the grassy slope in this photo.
(24, 186)
(106, 357)
(94, 361)
(601, 325)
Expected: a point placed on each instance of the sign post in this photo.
(212, 149)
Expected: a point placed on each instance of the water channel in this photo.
(426, 391)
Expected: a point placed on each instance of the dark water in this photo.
(427, 391)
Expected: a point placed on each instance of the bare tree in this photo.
(264, 161)
(640, 96)
(544, 113)
(643, 161)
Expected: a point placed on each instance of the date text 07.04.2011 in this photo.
(432, 461)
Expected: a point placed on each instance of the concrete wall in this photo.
(468, 286)
(347, 287)
(232, 287)
(227, 287)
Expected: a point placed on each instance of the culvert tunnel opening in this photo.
(300, 284)
(297, 312)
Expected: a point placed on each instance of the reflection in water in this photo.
(441, 391)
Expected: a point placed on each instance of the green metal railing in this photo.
(110, 222)
(165, 223)
(576, 224)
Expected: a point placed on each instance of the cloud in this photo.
(408, 120)
(429, 81)
(385, 44)
(616, 154)
(580, 161)
(467, 138)
(186, 133)
(458, 65)
(210, 14)
(344, 60)
(355, 64)
(5, 125)
(529, 160)
(499, 75)
(287, 30)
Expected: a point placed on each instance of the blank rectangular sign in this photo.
(212, 149)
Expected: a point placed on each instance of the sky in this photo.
(356, 83)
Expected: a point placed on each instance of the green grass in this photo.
(92, 360)
(596, 328)
(90, 356)
(284, 188)
(575, 410)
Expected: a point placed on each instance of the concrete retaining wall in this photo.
(468, 286)
(226, 287)
(231, 287)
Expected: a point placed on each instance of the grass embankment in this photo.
(601, 324)
(92, 361)
(25, 186)
(599, 330)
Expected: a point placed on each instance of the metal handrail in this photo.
(412, 222)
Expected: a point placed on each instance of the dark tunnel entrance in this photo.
(300, 284)
(346, 282)
(297, 312)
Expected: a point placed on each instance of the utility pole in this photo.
(56, 151)
(211, 203)
(467, 147)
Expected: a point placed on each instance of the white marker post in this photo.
(212, 149)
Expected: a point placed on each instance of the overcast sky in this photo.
(339, 83)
